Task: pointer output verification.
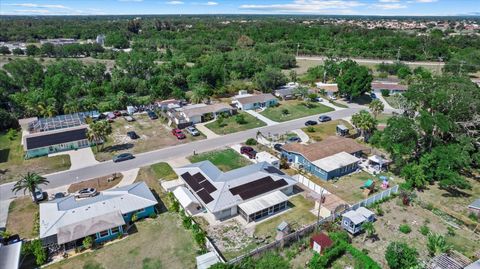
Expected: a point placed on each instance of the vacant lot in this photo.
(297, 215)
(325, 129)
(21, 217)
(290, 110)
(230, 125)
(395, 214)
(225, 160)
(13, 165)
(154, 134)
(159, 243)
(101, 183)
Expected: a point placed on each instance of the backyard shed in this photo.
(342, 130)
(206, 260)
(10, 255)
(320, 242)
(352, 220)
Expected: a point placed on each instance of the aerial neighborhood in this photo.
(238, 141)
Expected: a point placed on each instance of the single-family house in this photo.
(60, 133)
(319, 242)
(352, 220)
(332, 157)
(474, 207)
(192, 114)
(330, 88)
(165, 105)
(254, 101)
(392, 87)
(65, 222)
(254, 191)
(287, 92)
(10, 254)
(59, 41)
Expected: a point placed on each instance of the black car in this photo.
(152, 115)
(123, 157)
(324, 118)
(277, 147)
(310, 123)
(132, 135)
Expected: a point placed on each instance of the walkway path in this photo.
(4, 205)
(207, 132)
(79, 158)
(385, 103)
(128, 177)
(327, 103)
(259, 116)
(303, 136)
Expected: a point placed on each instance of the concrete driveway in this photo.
(79, 158)
(259, 116)
(207, 132)
(303, 136)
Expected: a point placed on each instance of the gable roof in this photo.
(256, 98)
(336, 161)
(227, 188)
(45, 139)
(323, 240)
(67, 214)
(201, 110)
(327, 147)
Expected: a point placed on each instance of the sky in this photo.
(307, 7)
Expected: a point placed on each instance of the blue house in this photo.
(332, 157)
(65, 222)
(353, 220)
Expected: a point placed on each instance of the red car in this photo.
(178, 133)
(249, 151)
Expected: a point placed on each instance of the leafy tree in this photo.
(25, 73)
(134, 26)
(436, 244)
(272, 261)
(47, 49)
(354, 80)
(32, 50)
(401, 256)
(364, 122)
(29, 182)
(376, 107)
(414, 175)
(117, 40)
(240, 119)
(270, 79)
(17, 51)
(7, 120)
(245, 41)
(301, 91)
(369, 229)
(4, 50)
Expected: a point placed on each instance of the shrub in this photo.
(251, 142)
(404, 228)
(153, 215)
(240, 119)
(200, 238)
(87, 242)
(380, 211)
(11, 134)
(450, 231)
(400, 256)
(311, 129)
(134, 217)
(385, 92)
(424, 230)
(35, 248)
(473, 216)
(285, 111)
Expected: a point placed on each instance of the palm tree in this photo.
(71, 107)
(364, 122)
(29, 182)
(369, 230)
(46, 110)
(376, 107)
(98, 132)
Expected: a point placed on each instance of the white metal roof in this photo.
(185, 197)
(335, 161)
(66, 211)
(354, 217)
(223, 181)
(364, 212)
(10, 255)
(206, 260)
(263, 202)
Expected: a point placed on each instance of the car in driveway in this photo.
(178, 133)
(123, 157)
(132, 135)
(324, 118)
(277, 147)
(373, 96)
(249, 151)
(38, 194)
(294, 139)
(129, 118)
(310, 123)
(152, 115)
(86, 192)
(193, 131)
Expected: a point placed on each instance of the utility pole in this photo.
(319, 207)
(398, 54)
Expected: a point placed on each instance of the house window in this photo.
(103, 234)
(114, 230)
(141, 210)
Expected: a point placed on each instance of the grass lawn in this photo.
(229, 124)
(297, 215)
(383, 118)
(159, 243)
(296, 110)
(101, 183)
(392, 100)
(163, 171)
(153, 135)
(326, 129)
(338, 104)
(13, 165)
(21, 217)
(225, 160)
(148, 175)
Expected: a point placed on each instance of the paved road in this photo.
(372, 61)
(170, 153)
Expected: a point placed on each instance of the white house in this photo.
(192, 114)
(254, 101)
(264, 156)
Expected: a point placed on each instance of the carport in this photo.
(263, 206)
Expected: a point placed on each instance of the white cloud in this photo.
(210, 3)
(390, 6)
(308, 6)
(389, 1)
(175, 3)
(37, 5)
(130, 1)
(32, 11)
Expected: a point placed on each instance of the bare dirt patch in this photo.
(21, 217)
(101, 183)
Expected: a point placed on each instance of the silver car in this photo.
(86, 192)
(193, 131)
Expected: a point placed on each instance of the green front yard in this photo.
(13, 165)
(163, 171)
(325, 129)
(290, 110)
(21, 217)
(297, 215)
(225, 160)
(230, 125)
(158, 243)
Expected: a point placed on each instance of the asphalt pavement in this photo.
(165, 154)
